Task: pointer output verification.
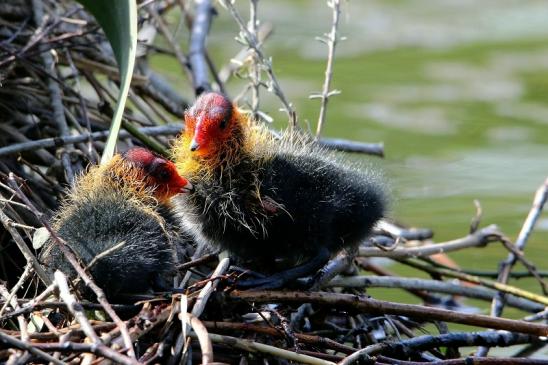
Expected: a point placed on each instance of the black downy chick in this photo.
(271, 202)
(119, 222)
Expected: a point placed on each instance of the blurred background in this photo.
(456, 89)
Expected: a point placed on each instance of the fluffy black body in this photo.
(309, 203)
(95, 225)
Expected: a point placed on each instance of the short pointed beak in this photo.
(194, 145)
(188, 188)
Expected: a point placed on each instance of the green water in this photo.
(457, 91)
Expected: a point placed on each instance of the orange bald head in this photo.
(159, 174)
(210, 123)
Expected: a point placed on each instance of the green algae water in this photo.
(457, 91)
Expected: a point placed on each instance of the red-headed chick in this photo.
(119, 222)
(271, 203)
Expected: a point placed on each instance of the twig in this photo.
(204, 295)
(55, 93)
(202, 335)
(373, 306)
(158, 89)
(71, 258)
(506, 266)
(105, 253)
(405, 348)
(433, 286)
(255, 71)
(170, 129)
(409, 234)
(110, 71)
(23, 345)
(183, 61)
(29, 256)
(375, 149)
(334, 267)
(264, 31)
(331, 41)
(189, 21)
(521, 258)
(196, 52)
(468, 360)
(78, 312)
(302, 337)
(477, 280)
(36, 304)
(366, 264)
(474, 224)
(24, 276)
(202, 260)
(23, 325)
(250, 39)
(479, 238)
(251, 346)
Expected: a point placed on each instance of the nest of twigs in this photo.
(58, 85)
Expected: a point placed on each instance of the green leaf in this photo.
(118, 18)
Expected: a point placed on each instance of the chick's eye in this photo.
(223, 123)
(163, 174)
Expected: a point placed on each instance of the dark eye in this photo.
(223, 123)
(162, 174)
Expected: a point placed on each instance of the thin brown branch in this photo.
(23, 345)
(373, 306)
(302, 337)
(478, 292)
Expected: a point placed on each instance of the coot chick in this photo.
(119, 222)
(273, 204)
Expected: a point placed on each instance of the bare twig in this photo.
(183, 60)
(407, 347)
(29, 256)
(479, 238)
(506, 266)
(330, 39)
(263, 32)
(170, 129)
(469, 360)
(477, 280)
(78, 312)
(201, 334)
(269, 331)
(27, 346)
(373, 306)
(255, 71)
(203, 297)
(249, 39)
(55, 93)
(434, 286)
(375, 149)
(251, 346)
(26, 273)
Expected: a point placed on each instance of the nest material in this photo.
(58, 80)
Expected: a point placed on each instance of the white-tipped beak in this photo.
(188, 188)
(194, 145)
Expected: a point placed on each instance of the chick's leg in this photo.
(280, 279)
